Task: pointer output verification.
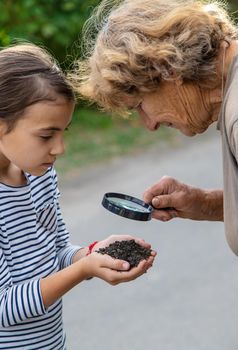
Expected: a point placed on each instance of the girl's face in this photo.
(37, 138)
(182, 106)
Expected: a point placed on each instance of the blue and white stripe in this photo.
(34, 243)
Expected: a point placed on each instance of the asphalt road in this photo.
(188, 300)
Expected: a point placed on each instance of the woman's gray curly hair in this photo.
(133, 45)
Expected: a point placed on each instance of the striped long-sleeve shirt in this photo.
(34, 243)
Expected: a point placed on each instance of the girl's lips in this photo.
(48, 164)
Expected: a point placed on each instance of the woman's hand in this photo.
(173, 199)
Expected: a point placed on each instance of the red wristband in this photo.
(90, 247)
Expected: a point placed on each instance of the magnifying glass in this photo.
(127, 206)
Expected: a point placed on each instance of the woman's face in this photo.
(183, 106)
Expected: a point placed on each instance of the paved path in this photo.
(188, 300)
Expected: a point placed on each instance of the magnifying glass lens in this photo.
(127, 206)
(124, 203)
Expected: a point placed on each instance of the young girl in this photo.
(38, 265)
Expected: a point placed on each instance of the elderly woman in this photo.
(176, 64)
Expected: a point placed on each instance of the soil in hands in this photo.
(127, 250)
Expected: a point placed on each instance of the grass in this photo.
(95, 137)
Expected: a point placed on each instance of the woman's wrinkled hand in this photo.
(172, 199)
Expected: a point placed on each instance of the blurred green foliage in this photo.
(55, 24)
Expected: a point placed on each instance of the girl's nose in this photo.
(58, 148)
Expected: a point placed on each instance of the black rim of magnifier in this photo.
(127, 213)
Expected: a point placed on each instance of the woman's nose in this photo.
(147, 121)
(151, 125)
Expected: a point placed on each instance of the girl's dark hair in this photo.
(28, 74)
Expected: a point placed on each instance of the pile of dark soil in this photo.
(127, 250)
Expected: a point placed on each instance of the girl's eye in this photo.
(46, 137)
